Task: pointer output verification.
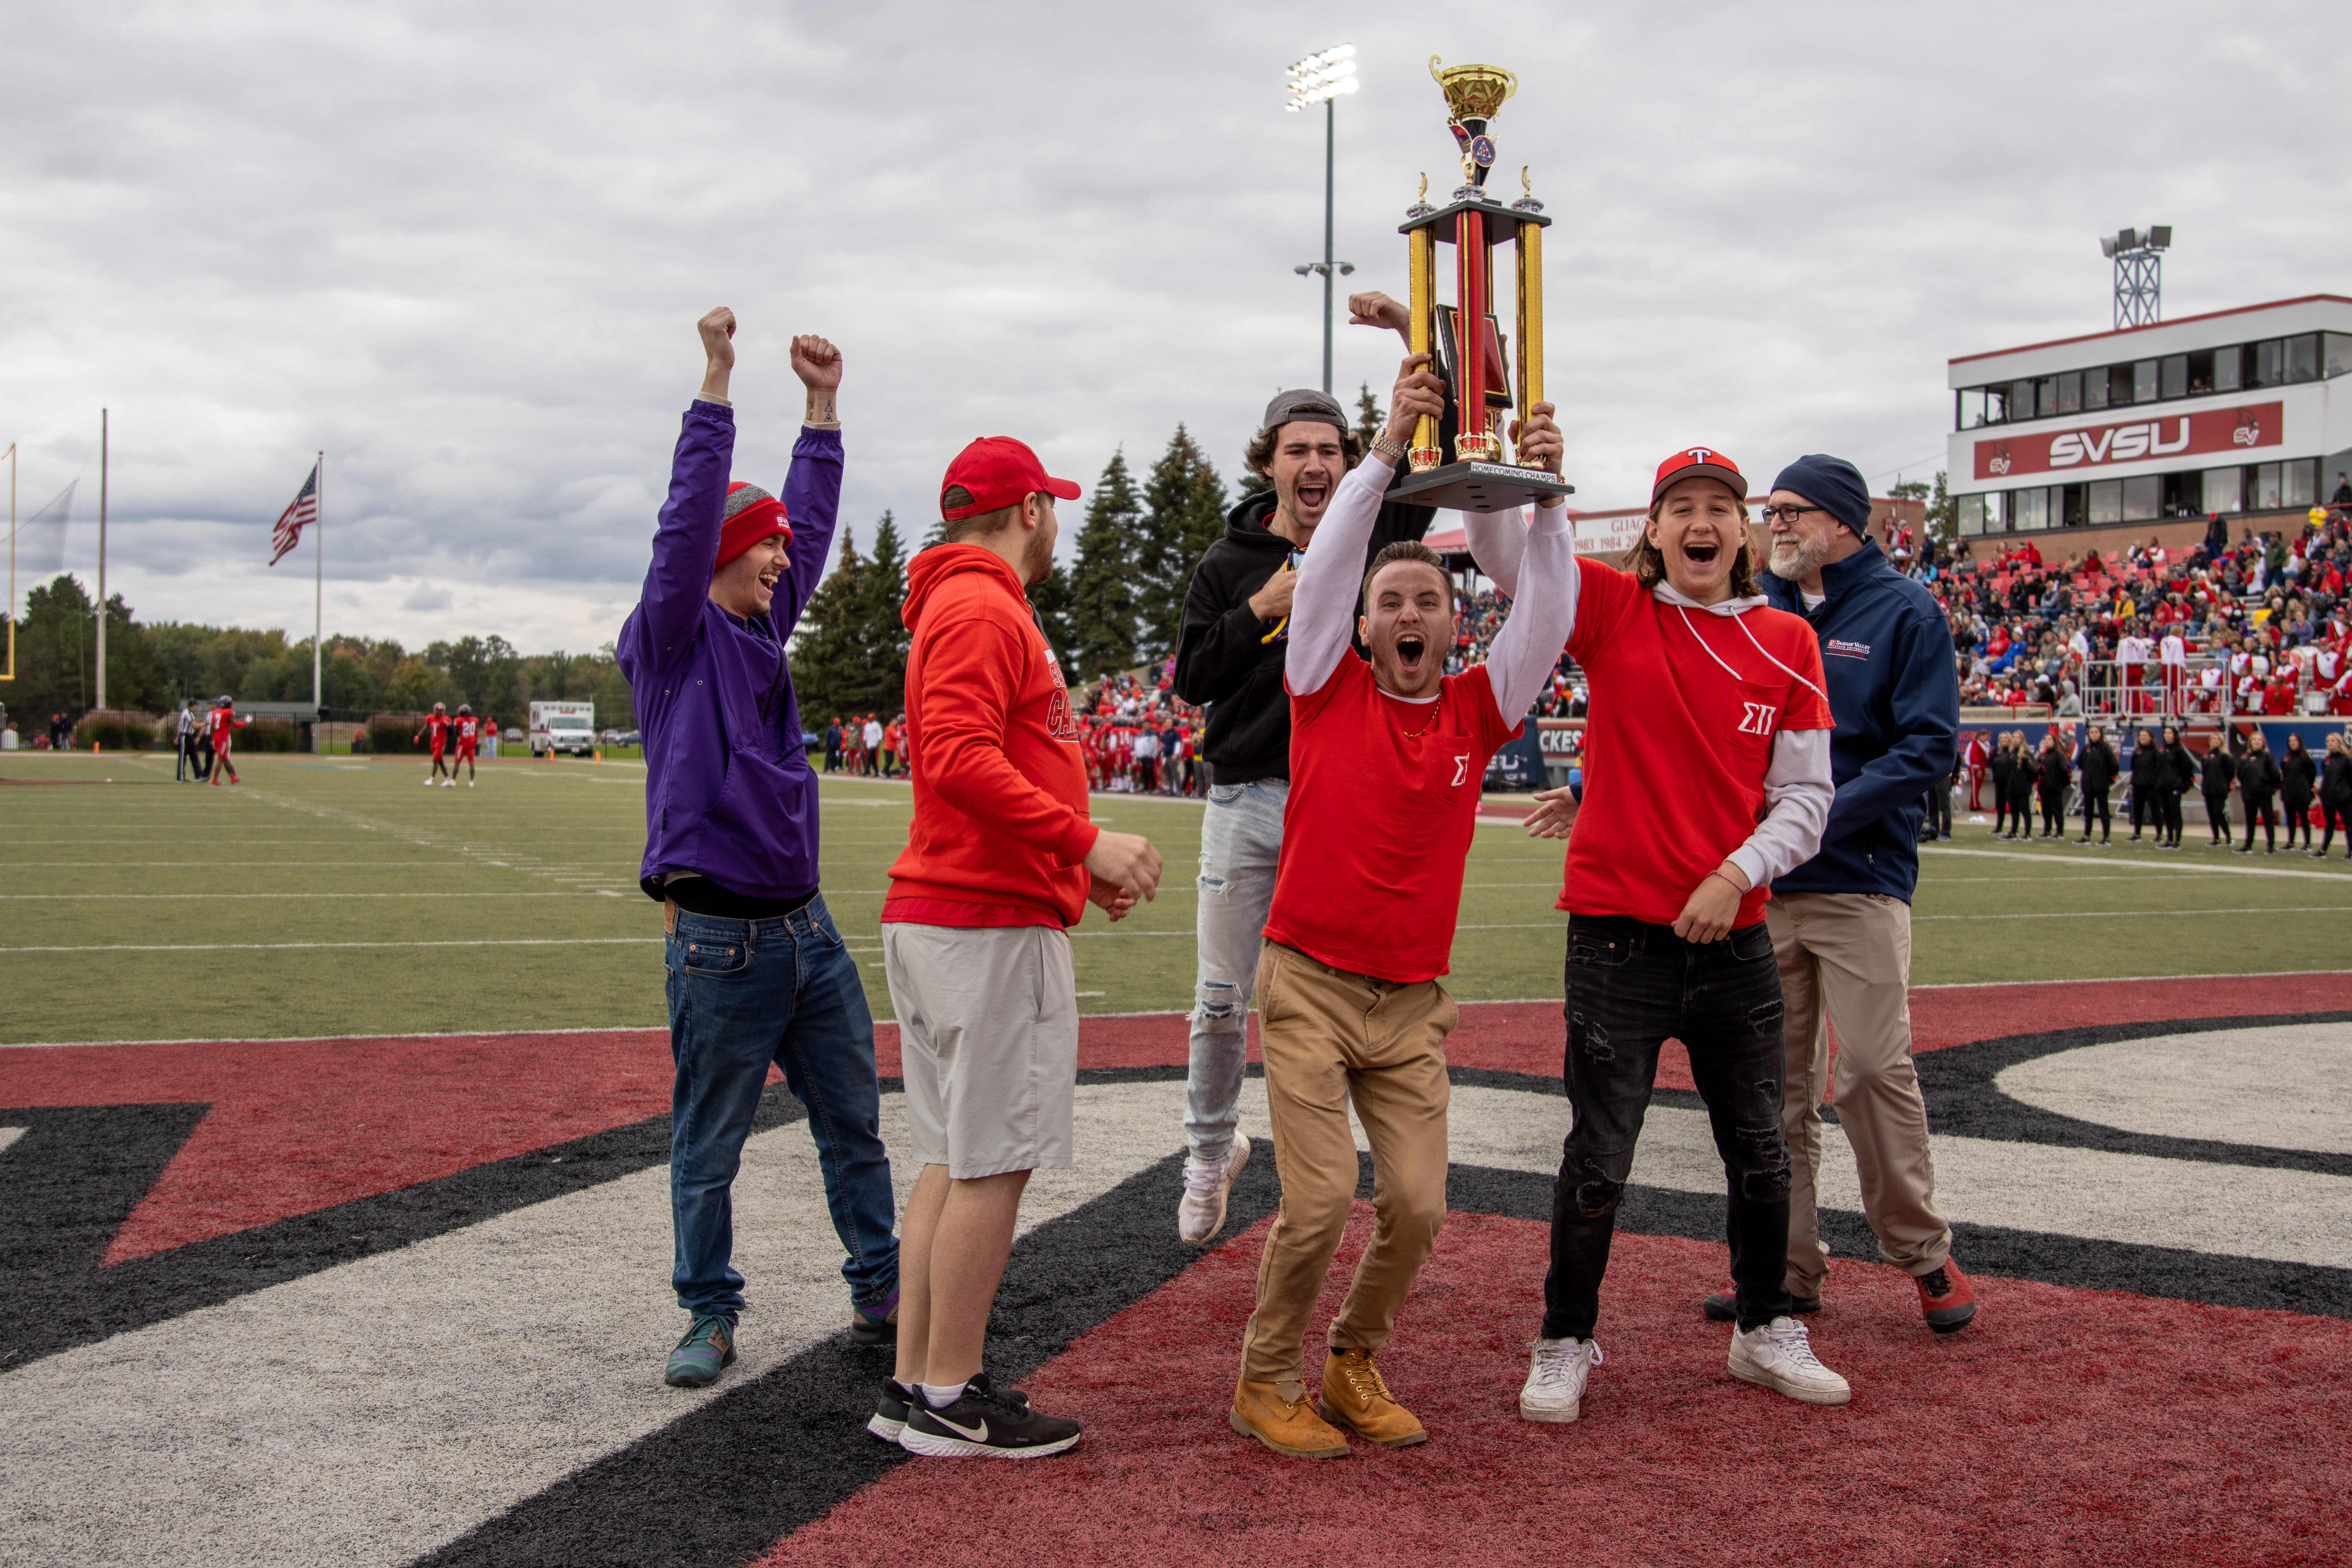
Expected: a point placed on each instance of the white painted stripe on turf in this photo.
(374, 1412)
(2281, 1086)
(2145, 914)
(9, 1135)
(2093, 857)
(482, 893)
(2240, 1211)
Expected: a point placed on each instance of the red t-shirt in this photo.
(1686, 706)
(1383, 802)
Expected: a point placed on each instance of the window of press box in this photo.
(2045, 397)
(2266, 487)
(2173, 373)
(2337, 354)
(2029, 510)
(2143, 498)
(2183, 495)
(2299, 484)
(2096, 384)
(1972, 514)
(2143, 382)
(2106, 501)
(2225, 489)
(2302, 357)
(2226, 368)
(2265, 371)
(2069, 393)
(2021, 400)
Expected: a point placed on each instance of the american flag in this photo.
(295, 518)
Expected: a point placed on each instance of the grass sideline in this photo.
(325, 896)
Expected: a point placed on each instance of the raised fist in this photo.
(718, 330)
(817, 363)
(1374, 309)
(1417, 394)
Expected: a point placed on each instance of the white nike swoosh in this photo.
(977, 1433)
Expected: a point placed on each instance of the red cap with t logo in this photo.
(1699, 463)
(997, 472)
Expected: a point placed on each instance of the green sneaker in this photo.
(876, 1323)
(708, 1347)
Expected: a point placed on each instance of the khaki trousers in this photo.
(1847, 957)
(1331, 1037)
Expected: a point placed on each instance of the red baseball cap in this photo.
(1699, 463)
(997, 472)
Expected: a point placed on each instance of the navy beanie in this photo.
(1831, 482)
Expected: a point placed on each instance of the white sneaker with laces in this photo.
(1779, 1355)
(1202, 1212)
(1555, 1373)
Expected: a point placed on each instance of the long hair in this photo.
(1647, 562)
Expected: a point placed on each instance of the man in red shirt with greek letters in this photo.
(436, 727)
(1000, 861)
(1710, 711)
(1386, 762)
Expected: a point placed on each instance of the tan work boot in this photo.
(1277, 1414)
(1355, 1397)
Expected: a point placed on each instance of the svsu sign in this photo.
(2211, 430)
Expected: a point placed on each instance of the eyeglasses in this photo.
(1789, 514)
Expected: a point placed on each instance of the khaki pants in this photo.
(1331, 1037)
(1847, 957)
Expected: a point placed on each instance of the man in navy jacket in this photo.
(757, 973)
(1841, 922)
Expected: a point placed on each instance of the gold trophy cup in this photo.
(1464, 340)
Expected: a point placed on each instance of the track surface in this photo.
(403, 1300)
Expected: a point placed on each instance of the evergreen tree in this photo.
(884, 604)
(1102, 585)
(1055, 607)
(828, 650)
(1184, 504)
(1370, 420)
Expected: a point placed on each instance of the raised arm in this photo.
(686, 544)
(1331, 578)
(812, 493)
(1543, 596)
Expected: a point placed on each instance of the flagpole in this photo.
(102, 561)
(11, 673)
(318, 613)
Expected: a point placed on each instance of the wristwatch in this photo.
(1391, 450)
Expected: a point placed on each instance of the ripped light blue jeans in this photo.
(1240, 843)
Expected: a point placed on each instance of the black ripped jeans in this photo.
(1632, 986)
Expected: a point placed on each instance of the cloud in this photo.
(424, 599)
(461, 250)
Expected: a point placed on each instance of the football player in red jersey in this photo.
(437, 725)
(1386, 760)
(468, 731)
(1694, 678)
(222, 726)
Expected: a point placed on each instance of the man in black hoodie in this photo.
(1229, 658)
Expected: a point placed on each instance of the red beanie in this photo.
(752, 514)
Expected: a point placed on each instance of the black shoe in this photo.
(1725, 1307)
(2242, 851)
(890, 1412)
(985, 1425)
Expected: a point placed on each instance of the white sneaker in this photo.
(449, 783)
(429, 783)
(1555, 1373)
(1201, 1213)
(1779, 1355)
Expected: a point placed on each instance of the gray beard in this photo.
(1803, 564)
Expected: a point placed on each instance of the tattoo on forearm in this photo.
(821, 408)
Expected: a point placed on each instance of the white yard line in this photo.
(299, 946)
(2107, 864)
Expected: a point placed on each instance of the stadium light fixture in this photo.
(2138, 256)
(1324, 78)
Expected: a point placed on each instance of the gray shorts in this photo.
(988, 1036)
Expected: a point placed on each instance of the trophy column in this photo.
(1423, 263)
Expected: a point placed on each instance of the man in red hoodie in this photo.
(1001, 859)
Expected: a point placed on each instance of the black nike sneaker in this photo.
(891, 1410)
(985, 1425)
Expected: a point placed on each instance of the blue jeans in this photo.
(1240, 843)
(743, 994)
(1632, 986)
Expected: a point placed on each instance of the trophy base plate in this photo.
(1479, 486)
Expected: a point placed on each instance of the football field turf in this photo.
(334, 1136)
(328, 896)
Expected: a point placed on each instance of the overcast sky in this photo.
(462, 247)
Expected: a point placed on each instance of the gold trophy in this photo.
(1464, 340)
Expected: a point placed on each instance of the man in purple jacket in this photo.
(757, 971)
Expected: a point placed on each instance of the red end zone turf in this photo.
(298, 1125)
(2067, 1426)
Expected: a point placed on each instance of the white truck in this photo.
(563, 727)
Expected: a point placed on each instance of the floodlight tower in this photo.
(1324, 79)
(2138, 256)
